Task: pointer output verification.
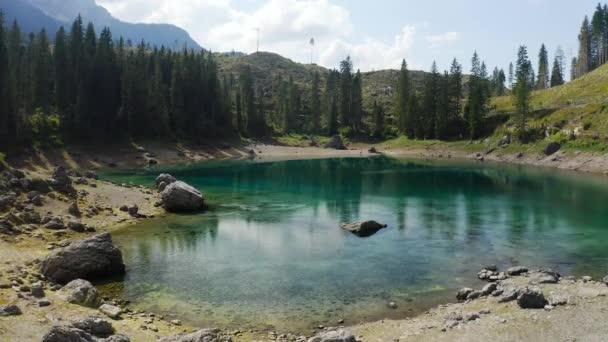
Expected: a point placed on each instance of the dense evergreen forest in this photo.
(87, 87)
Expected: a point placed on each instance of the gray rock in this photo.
(508, 294)
(517, 270)
(605, 280)
(30, 217)
(133, 210)
(506, 140)
(488, 289)
(162, 186)
(9, 310)
(586, 279)
(111, 311)
(474, 295)
(340, 335)
(336, 143)
(558, 300)
(74, 210)
(116, 338)
(37, 201)
(179, 196)
(38, 184)
(80, 292)
(91, 174)
(531, 298)
(43, 302)
(95, 326)
(37, 290)
(77, 226)
(166, 178)
(551, 148)
(463, 293)
(203, 335)
(87, 259)
(363, 229)
(6, 201)
(61, 181)
(67, 334)
(55, 223)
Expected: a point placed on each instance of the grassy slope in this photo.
(581, 105)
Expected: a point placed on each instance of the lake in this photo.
(269, 251)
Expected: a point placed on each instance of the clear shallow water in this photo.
(270, 253)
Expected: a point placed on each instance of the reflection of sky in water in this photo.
(270, 249)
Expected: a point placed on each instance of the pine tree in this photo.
(333, 118)
(511, 75)
(346, 84)
(6, 134)
(443, 107)
(402, 97)
(330, 101)
(429, 103)
(584, 59)
(522, 90)
(543, 68)
(574, 69)
(378, 114)
(478, 96)
(61, 71)
(315, 103)
(413, 109)
(454, 93)
(15, 121)
(557, 74)
(598, 31)
(357, 103)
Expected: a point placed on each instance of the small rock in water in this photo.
(363, 229)
(392, 305)
(605, 280)
(587, 279)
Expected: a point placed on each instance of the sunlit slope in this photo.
(580, 106)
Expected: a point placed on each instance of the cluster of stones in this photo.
(22, 195)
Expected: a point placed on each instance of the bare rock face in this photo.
(363, 229)
(203, 335)
(91, 258)
(339, 335)
(80, 292)
(179, 197)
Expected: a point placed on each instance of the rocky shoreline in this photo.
(44, 212)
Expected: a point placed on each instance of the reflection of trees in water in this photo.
(450, 199)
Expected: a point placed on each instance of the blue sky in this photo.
(377, 34)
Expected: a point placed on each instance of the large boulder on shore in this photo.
(363, 229)
(179, 196)
(551, 148)
(336, 143)
(203, 335)
(80, 292)
(339, 335)
(531, 298)
(91, 258)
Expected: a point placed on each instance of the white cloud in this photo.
(441, 39)
(372, 54)
(286, 27)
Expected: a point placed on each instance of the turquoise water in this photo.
(269, 251)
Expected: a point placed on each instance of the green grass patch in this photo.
(300, 140)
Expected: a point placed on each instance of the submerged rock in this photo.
(203, 335)
(179, 196)
(531, 298)
(340, 335)
(87, 259)
(336, 143)
(80, 292)
(363, 229)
